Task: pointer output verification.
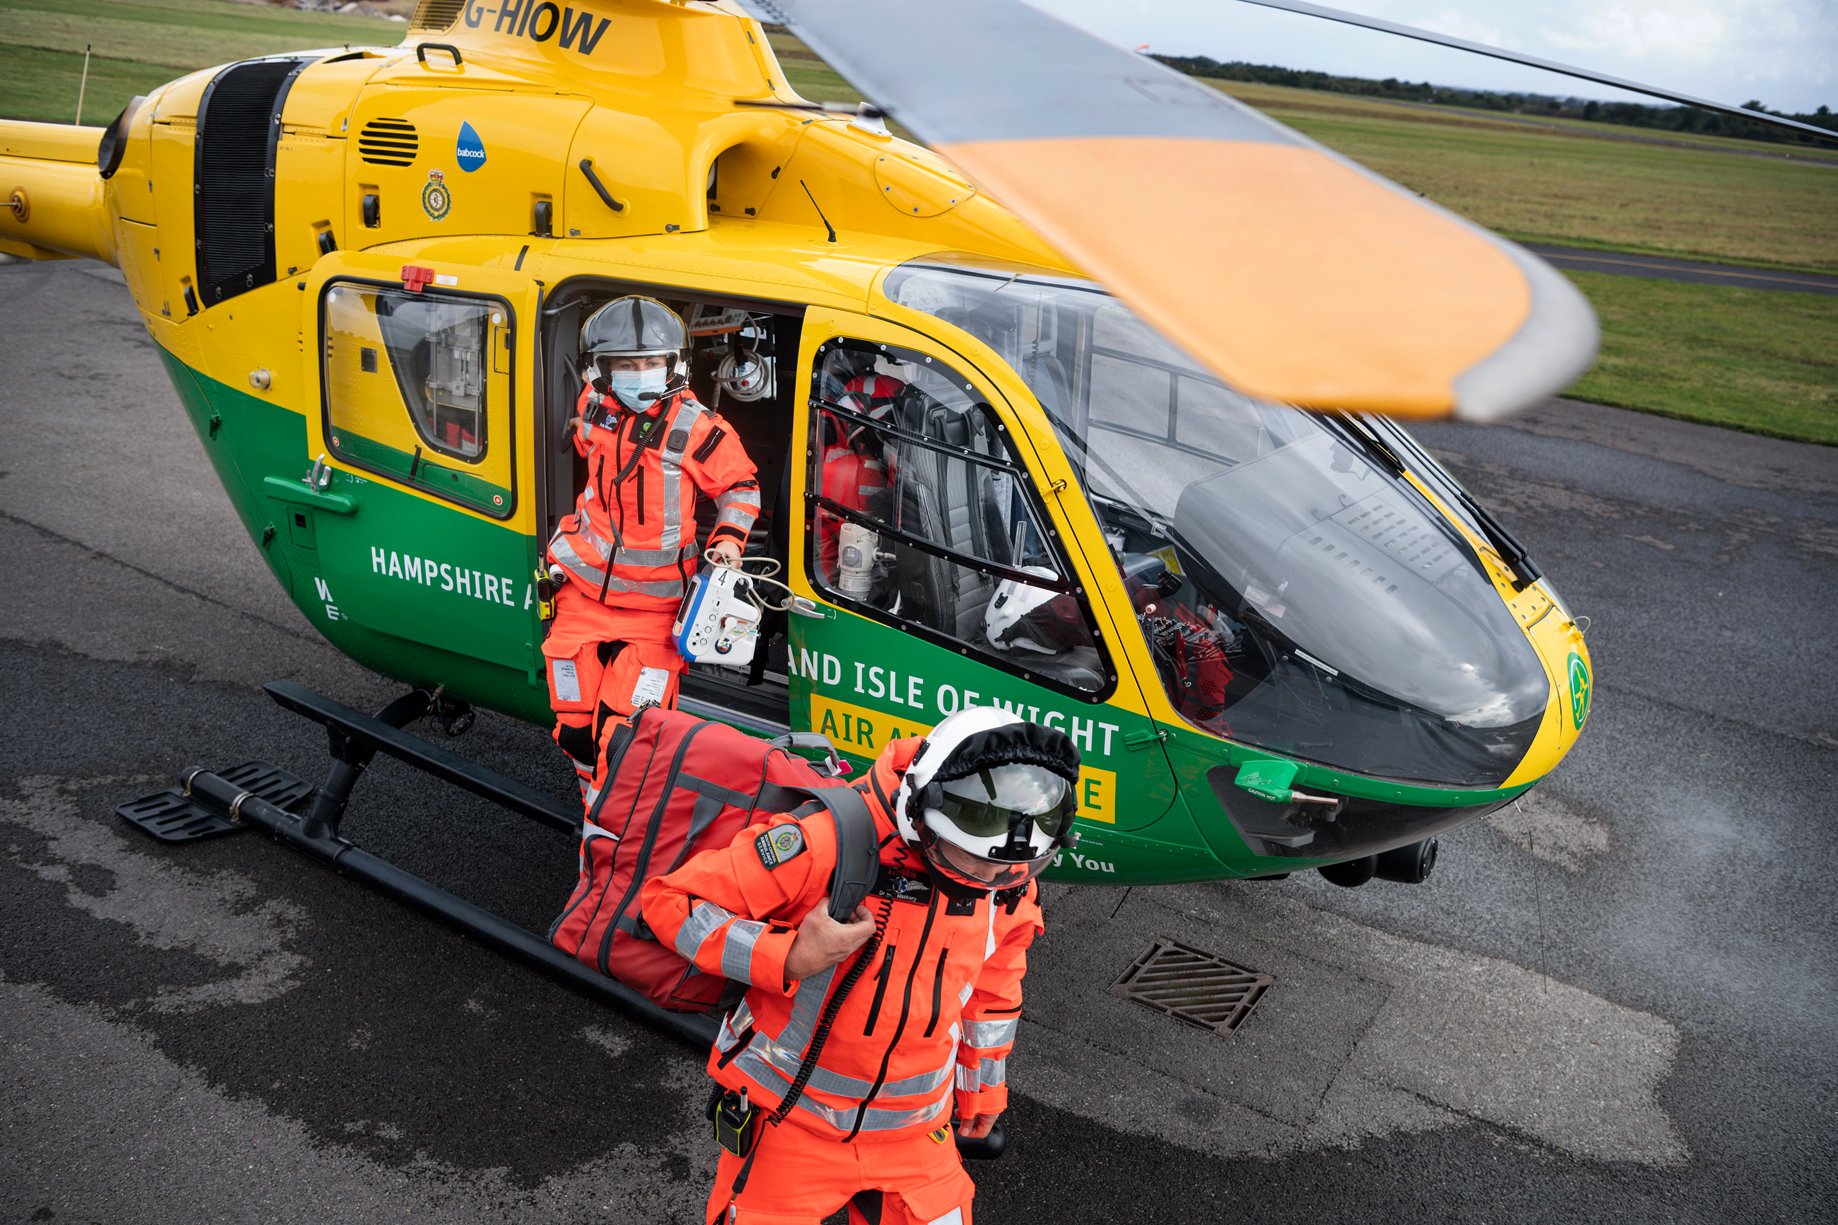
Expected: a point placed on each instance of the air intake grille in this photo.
(239, 120)
(388, 142)
(436, 14)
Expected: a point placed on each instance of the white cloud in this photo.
(1694, 36)
(1457, 25)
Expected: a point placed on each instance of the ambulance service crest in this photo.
(436, 197)
(775, 846)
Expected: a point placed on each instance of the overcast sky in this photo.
(1783, 52)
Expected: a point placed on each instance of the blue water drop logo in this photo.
(469, 150)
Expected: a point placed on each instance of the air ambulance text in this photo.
(888, 684)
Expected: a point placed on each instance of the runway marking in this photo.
(1665, 268)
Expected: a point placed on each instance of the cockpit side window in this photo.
(1295, 588)
(416, 389)
(924, 515)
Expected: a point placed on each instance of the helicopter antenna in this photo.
(84, 87)
(819, 208)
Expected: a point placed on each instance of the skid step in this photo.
(174, 816)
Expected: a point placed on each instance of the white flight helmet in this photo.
(1023, 618)
(988, 800)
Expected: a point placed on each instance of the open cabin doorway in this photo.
(743, 364)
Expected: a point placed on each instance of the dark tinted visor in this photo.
(997, 804)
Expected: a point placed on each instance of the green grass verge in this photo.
(139, 45)
(1558, 187)
(42, 85)
(1755, 360)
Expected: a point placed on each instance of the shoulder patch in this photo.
(778, 844)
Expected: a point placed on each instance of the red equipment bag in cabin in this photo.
(670, 784)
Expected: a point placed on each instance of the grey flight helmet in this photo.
(635, 326)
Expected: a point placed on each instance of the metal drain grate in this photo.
(1192, 986)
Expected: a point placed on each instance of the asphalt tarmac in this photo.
(1614, 1002)
(1664, 268)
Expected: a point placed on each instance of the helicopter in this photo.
(1145, 479)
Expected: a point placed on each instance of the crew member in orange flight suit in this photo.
(967, 817)
(629, 549)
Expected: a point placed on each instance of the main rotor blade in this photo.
(1293, 273)
(1600, 78)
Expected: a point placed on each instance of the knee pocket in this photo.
(642, 673)
(574, 674)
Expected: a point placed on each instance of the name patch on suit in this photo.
(779, 844)
(899, 886)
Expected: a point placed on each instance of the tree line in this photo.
(1681, 119)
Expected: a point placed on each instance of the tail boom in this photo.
(52, 197)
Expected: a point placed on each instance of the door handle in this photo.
(283, 490)
(806, 607)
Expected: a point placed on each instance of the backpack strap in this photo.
(858, 851)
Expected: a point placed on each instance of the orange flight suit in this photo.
(928, 1025)
(629, 550)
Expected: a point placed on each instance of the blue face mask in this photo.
(629, 385)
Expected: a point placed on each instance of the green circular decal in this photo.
(1579, 689)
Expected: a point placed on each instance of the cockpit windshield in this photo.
(1296, 592)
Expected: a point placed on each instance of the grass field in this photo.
(137, 45)
(1553, 185)
(1754, 360)
(1762, 361)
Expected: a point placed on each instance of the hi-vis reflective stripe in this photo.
(631, 557)
(594, 579)
(681, 423)
(986, 1075)
(804, 1005)
(843, 1119)
(786, 1063)
(990, 1033)
(705, 919)
(737, 952)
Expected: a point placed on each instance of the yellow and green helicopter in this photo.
(1143, 481)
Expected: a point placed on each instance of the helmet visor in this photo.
(993, 801)
(976, 873)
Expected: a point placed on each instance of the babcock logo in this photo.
(470, 150)
(541, 21)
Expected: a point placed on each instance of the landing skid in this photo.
(259, 796)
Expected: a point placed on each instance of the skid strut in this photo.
(236, 800)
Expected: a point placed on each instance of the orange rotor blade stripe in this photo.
(1399, 300)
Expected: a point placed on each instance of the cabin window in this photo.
(923, 515)
(413, 385)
